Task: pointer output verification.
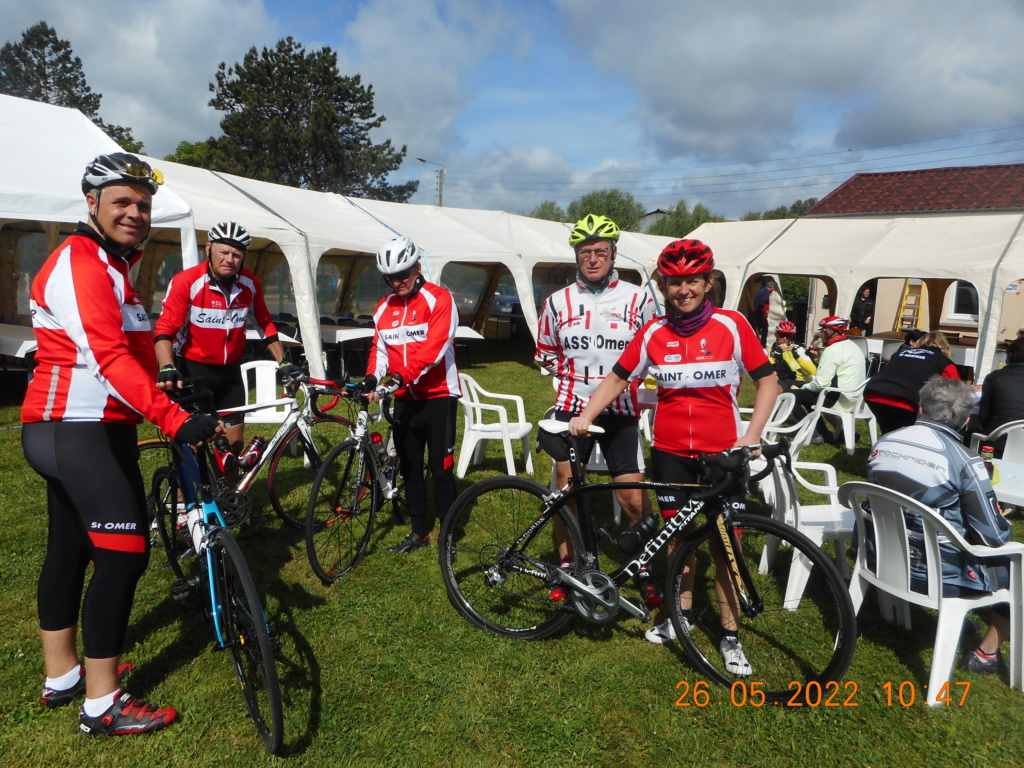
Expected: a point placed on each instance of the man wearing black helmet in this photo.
(95, 367)
(204, 316)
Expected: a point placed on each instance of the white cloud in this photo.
(152, 61)
(745, 80)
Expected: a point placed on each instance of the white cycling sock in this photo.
(65, 681)
(96, 707)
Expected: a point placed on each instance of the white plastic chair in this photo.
(260, 379)
(830, 521)
(478, 431)
(1014, 431)
(848, 413)
(892, 573)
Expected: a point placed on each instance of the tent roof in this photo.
(45, 150)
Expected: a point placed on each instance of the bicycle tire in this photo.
(154, 453)
(246, 635)
(292, 470)
(504, 591)
(785, 648)
(342, 508)
(173, 533)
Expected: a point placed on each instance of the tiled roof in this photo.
(973, 188)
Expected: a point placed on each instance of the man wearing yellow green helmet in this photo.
(583, 329)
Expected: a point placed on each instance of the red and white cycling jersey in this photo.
(415, 338)
(206, 322)
(698, 379)
(582, 333)
(96, 360)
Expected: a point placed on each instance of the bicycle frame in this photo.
(186, 465)
(578, 489)
(387, 485)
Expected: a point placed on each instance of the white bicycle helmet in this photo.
(120, 168)
(397, 255)
(230, 232)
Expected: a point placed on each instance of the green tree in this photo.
(197, 154)
(681, 221)
(798, 208)
(617, 205)
(292, 118)
(549, 210)
(42, 67)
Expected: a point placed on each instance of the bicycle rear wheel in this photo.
(245, 633)
(792, 640)
(499, 585)
(342, 509)
(169, 520)
(294, 466)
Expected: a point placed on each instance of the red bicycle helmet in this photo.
(686, 257)
(786, 327)
(835, 323)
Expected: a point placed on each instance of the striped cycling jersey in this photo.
(581, 335)
(414, 337)
(698, 379)
(95, 360)
(207, 322)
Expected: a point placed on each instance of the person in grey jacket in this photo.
(928, 462)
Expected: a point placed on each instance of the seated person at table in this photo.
(928, 462)
(892, 393)
(1002, 393)
(791, 362)
(840, 365)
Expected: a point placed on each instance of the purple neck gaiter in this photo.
(687, 325)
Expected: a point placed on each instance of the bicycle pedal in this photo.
(184, 589)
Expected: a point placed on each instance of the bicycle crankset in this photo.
(234, 506)
(600, 602)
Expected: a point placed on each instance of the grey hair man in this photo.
(927, 461)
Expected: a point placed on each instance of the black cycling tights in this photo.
(96, 502)
(426, 424)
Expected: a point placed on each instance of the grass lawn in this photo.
(380, 670)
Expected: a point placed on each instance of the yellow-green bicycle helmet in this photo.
(593, 227)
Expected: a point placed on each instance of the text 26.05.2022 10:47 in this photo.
(814, 694)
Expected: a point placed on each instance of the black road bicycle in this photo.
(218, 577)
(501, 566)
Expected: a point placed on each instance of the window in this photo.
(965, 302)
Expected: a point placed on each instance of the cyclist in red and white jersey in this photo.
(697, 354)
(583, 329)
(414, 343)
(93, 383)
(203, 319)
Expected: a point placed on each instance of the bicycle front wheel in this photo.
(342, 508)
(245, 633)
(294, 466)
(794, 639)
(498, 583)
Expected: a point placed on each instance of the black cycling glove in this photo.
(197, 429)
(287, 370)
(168, 374)
(368, 384)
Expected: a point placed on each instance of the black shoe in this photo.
(52, 699)
(976, 665)
(127, 715)
(650, 591)
(410, 543)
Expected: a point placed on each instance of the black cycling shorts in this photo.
(225, 381)
(672, 468)
(620, 443)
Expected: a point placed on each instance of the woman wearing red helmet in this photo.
(791, 362)
(697, 354)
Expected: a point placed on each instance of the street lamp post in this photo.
(440, 180)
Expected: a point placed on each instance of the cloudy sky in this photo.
(740, 105)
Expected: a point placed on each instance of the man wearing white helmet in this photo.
(203, 319)
(414, 343)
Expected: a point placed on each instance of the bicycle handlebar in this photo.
(737, 462)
